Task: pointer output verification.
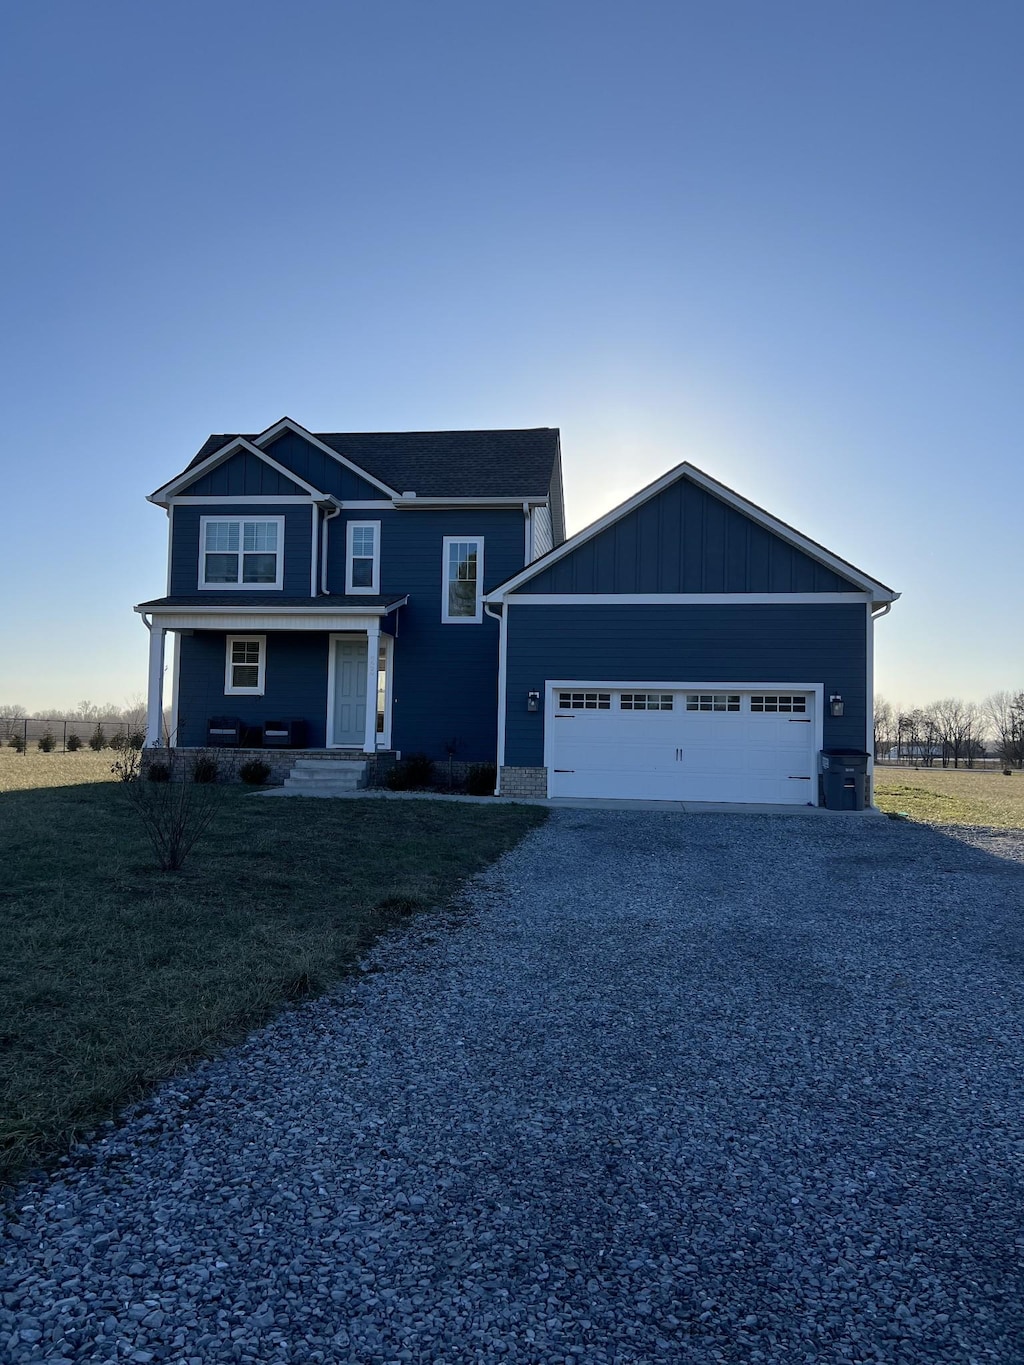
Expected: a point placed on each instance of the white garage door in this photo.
(682, 745)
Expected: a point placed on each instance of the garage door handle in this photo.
(564, 770)
(792, 721)
(798, 777)
(679, 755)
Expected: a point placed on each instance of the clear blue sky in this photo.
(781, 240)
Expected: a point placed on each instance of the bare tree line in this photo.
(952, 732)
(130, 714)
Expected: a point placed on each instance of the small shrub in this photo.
(174, 814)
(397, 778)
(204, 769)
(255, 772)
(481, 779)
(419, 770)
(17, 743)
(74, 743)
(47, 743)
(98, 739)
(1007, 772)
(136, 739)
(117, 742)
(158, 771)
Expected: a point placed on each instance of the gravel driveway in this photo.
(669, 1088)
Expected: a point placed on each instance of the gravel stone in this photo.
(662, 1087)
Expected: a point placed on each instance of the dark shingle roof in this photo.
(444, 464)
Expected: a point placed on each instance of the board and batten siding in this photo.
(788, 643)
(243, 475)
(298, 534)
(295, 684)
(686, 540)
(321, 470)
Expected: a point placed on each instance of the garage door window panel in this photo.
(778, 705)
(584, 701)
(646, 701)
(713, 701)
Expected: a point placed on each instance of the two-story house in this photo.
(414, 592)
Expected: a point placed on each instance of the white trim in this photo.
(406, 502)
(372, 671)
(155, 697)
(502, 693)
(366, 505)
(172, 738)
(674, 599)
(878, 591)
(217, 457)
(332, 640)
(249, 500)
(478, 615)
(314, 535)
(374, 587)
(286, 424)
(170, 546)
(528, 533)
(243, 622)
(261, 666)
(278, 583)
(384, 740)
(552, 685)
(869, 744)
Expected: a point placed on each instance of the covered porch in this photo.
(314, 676)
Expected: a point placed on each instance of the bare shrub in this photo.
(176, 813)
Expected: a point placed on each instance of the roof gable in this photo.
(242, 474)
(686, 533)
(212, 459)
(511, 463)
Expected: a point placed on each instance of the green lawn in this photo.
(19, 772)
(952, 796)
(114, 974)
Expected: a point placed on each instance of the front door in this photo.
(349, 693)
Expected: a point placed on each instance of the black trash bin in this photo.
(844, 777)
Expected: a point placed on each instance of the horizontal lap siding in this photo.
(296, 684)
(298, 535)
(785, 644)
(445, 681)
(686, 540)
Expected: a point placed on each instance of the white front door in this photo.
(349, 719)
(727, 745)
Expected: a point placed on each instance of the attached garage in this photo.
(687, 647)
(676, 742)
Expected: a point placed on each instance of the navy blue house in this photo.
(387, 593)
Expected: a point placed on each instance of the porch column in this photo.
(372, 651)
(155, 713)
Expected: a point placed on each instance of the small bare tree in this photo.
(175, 811)
(885, 728)
(12, 717)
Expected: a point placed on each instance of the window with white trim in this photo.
(713, 701)
(245, 666)
(362, 557)
(462, 576)
(241, 552)
(777, 704)
(645, 701)
(584, 701)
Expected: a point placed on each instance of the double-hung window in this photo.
(245, 666)
(462, 579)
(237, 552)
(362, 557)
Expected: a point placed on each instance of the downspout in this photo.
(328, 516)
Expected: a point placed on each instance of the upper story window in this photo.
(362, 557)
(239, 552)
(462, 578)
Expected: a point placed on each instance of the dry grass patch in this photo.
(951, 796)
(23, 772)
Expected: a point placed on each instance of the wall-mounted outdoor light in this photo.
(835, 704)
(533, 701)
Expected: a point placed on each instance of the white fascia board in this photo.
(434, 503)
(306, 612)
(878, 591)
(286, 424)
(247, 500)
(218, 457)
(675, 599)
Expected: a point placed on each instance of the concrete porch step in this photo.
(327, 775)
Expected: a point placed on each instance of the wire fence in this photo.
(60, 734)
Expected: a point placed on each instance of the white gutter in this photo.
(502, 620)
(329, 516)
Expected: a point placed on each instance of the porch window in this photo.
(241, 553)
(362, 558)
(245, 666)
(462, 579)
